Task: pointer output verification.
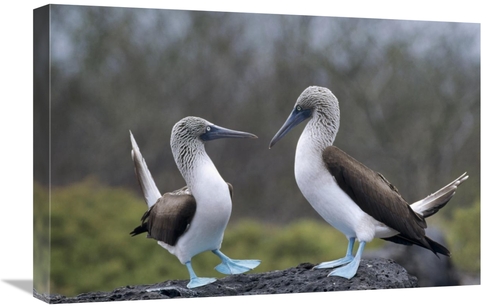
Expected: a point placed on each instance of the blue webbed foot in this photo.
(349, 270)
(230, 266)
(196, 281)
(334, 263)
(199, 281)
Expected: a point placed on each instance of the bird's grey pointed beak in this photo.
(218, 132)
(295, 118)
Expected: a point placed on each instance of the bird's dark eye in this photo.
(298, 108)
(208, 128)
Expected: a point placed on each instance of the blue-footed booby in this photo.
(192, 219)
(354, 199)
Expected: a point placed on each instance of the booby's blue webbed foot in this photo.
(199, 281)
(335, 263)
(342, 261)
(349, 270)
(195, 281)
(230, 266)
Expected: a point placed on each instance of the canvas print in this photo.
(182, 154)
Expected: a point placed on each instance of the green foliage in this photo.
(465, 238)
(41, 248)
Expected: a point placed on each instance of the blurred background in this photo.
(409, 94)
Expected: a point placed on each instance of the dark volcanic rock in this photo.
(372, 274)
(431, 270)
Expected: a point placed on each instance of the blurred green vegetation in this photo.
(464, 237)
(41, 239)
(91, 249)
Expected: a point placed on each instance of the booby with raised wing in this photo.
(354, 199)
(192, 219)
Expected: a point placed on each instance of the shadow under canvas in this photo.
(22, 284)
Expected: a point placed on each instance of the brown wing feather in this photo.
(375, 195)
(169, 218)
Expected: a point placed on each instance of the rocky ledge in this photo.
(372, 274)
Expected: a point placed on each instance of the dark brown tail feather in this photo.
(433, 246)
(138, 230)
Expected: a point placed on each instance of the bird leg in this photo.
(342, 261)
(194, 280)
(230, 266)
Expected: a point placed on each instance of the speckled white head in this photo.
(322, 108)
(188, 141)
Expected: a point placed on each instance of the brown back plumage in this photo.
(377, 197)
(169, 218)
